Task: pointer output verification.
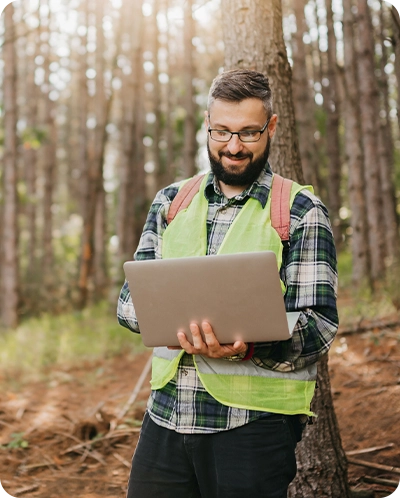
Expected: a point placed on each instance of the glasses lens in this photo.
(220, 135)
(249, 136)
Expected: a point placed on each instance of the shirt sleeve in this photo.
(149, 247)
(309, 272)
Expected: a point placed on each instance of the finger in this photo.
(240, 346)
(209, 335)
(185, 344)
(198, 342)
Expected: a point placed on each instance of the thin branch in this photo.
(136, 390)
(378, 480)
(116, 434)
(369, 450)
(27, 489)
(363, 463)
(122, 460)
(375, 324)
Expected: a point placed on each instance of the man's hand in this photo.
(210, 347)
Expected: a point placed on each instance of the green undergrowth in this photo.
(39, 344)
(362, 303)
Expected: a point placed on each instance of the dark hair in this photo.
(239, 84)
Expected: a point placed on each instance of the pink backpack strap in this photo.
(280, 206)
(184, 196)
(280, 202)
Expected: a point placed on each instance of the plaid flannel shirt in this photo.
(308, 272)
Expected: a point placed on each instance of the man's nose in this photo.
(235, 145)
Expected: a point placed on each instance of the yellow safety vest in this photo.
(237, 384)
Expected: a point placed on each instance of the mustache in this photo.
(239, 155)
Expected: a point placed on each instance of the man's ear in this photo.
(206, 121)
(272, 125)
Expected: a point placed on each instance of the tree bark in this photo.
(102, 110)
(303, 99)
(333, 147)
(94, 197)
(100, 261)
(369, 95)
(253, 38)
(132, 188)
(189, 147)
(320, 78)
(9, 277)
(30, 166)
(159, 164)
(321, 461)
(49, 174)
(83, 102)
(170, 170)
(386, 165)
(396, 46)
(354, 155)
(138, 153)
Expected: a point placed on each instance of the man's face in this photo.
(235, 162)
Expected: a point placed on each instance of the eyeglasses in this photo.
(244, 136)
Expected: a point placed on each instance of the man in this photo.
(197, 439)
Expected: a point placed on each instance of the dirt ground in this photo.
(59, 437)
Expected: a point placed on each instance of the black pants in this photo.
(256, 460)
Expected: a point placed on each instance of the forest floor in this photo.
(57, 442)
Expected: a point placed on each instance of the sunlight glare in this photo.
(116, 3)
(204, 13)
(147, 9)
(162, 22)
(34, 5)
(56, 6)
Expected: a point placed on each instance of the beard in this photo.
(242, 178)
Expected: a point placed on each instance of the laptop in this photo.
(238, 294)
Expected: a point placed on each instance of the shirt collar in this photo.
(259, 189)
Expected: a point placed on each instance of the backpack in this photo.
(280, 203)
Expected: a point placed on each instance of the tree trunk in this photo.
(83, 102)
(30, 165)
(49, 172)
(303, 101)
(159, 164)
(138, 153)
(94, 196)
(333, 147)
(131, 132)
(320, 64)
(252, 32)
(189, 147)
(9, 276)
(322, 464)
(369, 95)
(102, 110)
(386, 158)
(396, 47)
(100, 263)
(354, 155)
(170, 172)
(253, 38)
